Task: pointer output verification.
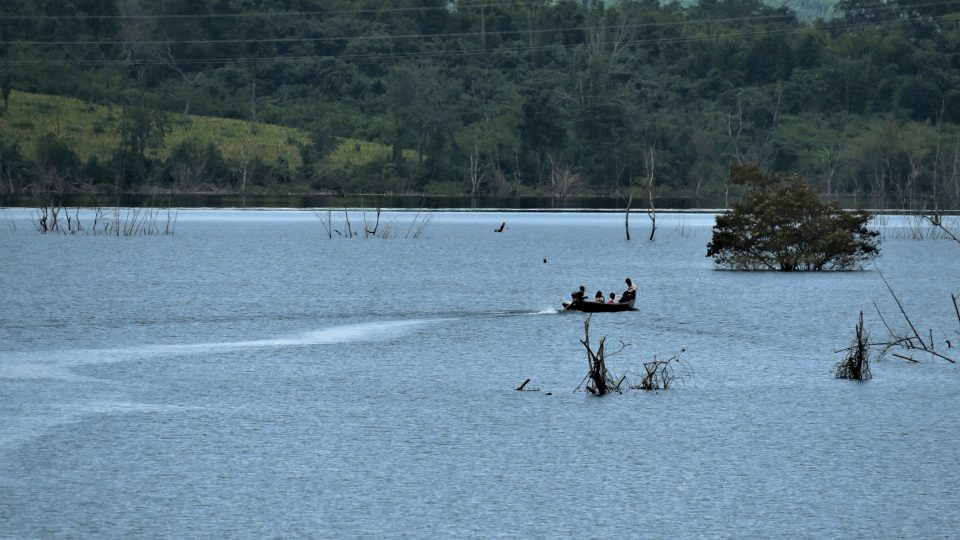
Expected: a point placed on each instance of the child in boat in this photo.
(599, 297)
(613, 298)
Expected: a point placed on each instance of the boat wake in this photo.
(509, 312)
(58, 364)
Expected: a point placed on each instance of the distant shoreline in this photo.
(411, 202)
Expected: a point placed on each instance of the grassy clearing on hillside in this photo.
(90, 129)
(356, 153)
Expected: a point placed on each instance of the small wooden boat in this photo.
(588, 306)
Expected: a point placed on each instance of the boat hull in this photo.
(598, 307)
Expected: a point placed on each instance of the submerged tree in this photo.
(658, 374)
(783, 225)
(856, 364)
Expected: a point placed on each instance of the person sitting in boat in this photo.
(630, 293)
(613, 298)
(578, 296)
(599, 297)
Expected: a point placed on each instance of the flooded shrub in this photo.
(600, 381)
(662, 374)
(856, 365)
(783, 225)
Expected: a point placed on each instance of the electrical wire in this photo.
(268, 14)
(662, 24)
(445, 52)
(382, 10)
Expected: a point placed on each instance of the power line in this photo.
(253, 14)
(638, 26)
(661, 24)
(313, 13)
(444, 52)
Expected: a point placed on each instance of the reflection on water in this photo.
(250, 377)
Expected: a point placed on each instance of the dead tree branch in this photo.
(651, 211)
(626, 216)
(856, 365)
(662, 374)
(911, 342)
(601, 381)
(936, 219)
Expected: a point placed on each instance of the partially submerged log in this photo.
(523, 387)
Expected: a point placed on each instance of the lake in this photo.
(250, 377)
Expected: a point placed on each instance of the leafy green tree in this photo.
(191, 165)
(56, 163)
(140, 130)
(782, 225)
(15, 168)
(541, 126)
(489, 91)
(6, 86)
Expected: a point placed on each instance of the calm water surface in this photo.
(249, 377)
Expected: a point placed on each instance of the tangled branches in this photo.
(372, 228)
(601, 381)
(662, 374)
(57, 219)
(659, 374)
(856, 365)
(948, 230)
(903, 345)
(908, 344)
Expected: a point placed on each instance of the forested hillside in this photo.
(555, 97)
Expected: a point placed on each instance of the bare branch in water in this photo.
(856, 365)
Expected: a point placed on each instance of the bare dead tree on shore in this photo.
(562, 180)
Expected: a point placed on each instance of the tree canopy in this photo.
(496, 97)
(783, 225)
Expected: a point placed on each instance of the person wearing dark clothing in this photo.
(630, 293)
(578, 296)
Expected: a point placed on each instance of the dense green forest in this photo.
(516, 97)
